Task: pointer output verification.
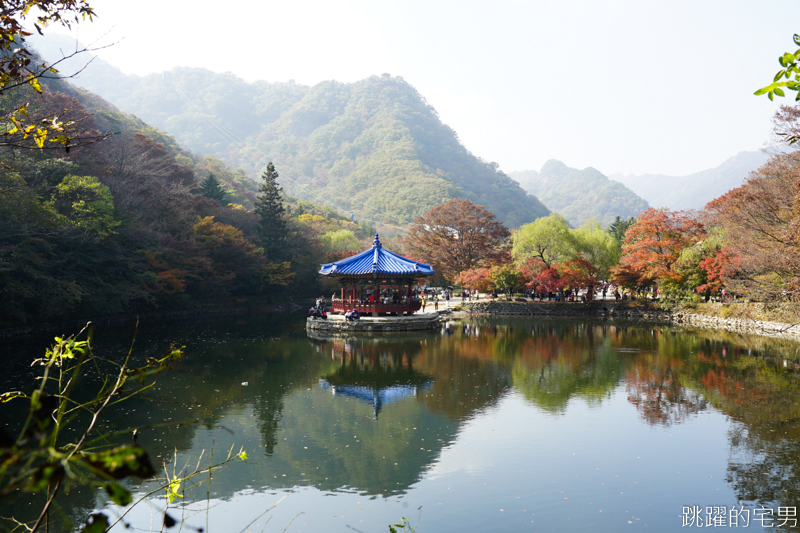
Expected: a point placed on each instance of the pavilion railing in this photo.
(341, 306)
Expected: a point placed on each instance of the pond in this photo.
(491, 424)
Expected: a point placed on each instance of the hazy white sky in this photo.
(621, 85)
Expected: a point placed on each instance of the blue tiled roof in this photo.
(376, 260)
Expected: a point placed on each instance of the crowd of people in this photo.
(318, 310)
(434, 297)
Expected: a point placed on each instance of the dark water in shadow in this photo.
(491, 424)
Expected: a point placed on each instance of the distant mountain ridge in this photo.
(580, 195)
(695, 190)
(374, 147)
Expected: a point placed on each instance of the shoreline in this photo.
(381, 324)
(629, 310)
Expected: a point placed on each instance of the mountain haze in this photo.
(580, 195)
(374, 147)
(695, 190)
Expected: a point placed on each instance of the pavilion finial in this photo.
(377, 242)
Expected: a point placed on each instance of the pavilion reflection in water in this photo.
(374, 372)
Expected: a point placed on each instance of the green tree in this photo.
(546, 239)
(212, 188)
(618, 228)
(269, 210)
(506, 277)
(87, 204)
(594, 245)
(342, 240)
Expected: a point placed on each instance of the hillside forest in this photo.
(121, 218)
(131, 222)
(373, 147)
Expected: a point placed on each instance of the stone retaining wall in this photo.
(617, 310)
(516, 308)
(336, 323)
(740, 325)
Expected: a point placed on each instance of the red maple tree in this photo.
(653, 245)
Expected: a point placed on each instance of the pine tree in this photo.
(212, 188)
(269, 210)
(618, 228)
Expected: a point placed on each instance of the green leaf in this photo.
(765, 90)
(97, 523)
(779, 74)
(796, 39)
(779, 91)
(118, 494)
(121, 462)
(769, 95)
(172, 490)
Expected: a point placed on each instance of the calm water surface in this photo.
(489, 425)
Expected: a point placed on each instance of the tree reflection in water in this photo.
(309, 439)
(670, 375)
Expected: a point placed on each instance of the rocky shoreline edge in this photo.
(610, 309)
(383, 324)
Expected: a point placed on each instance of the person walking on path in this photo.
(423, 303)
(447, 299)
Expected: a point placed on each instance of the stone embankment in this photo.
(634, 312)
(388, 324)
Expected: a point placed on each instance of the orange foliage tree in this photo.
(476, 278)
(653, 245)
(455, 236)
(541, 277)
(578, 273)
(762, 223)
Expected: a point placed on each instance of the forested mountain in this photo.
(132, 222)
(579, 195)
(373, 147)
(695, 190)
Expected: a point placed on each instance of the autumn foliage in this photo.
(747, 241)
(762, 222)
(455, 237)
(476, 278)
(653, 245)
